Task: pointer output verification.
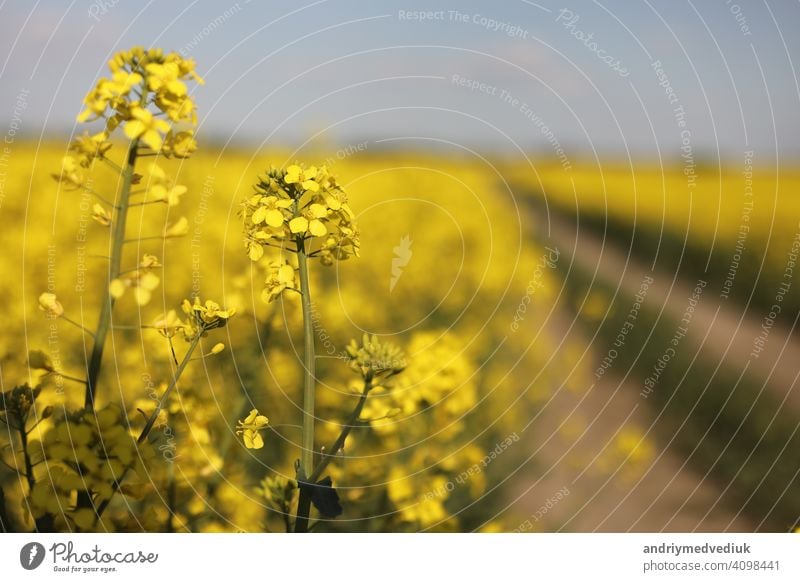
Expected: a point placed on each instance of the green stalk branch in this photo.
(304, 503)
(104, 321)
(23, 436)
(154, 415)
(76, 324)
(349, 424)
(181, 367)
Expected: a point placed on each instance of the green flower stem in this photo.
(23, 436)
(76, 324)
(104, 321)
(351, 422)
(309, 385)
(154, 416)
(181, 367)
(99, 196)
(309, 364)
(304, 503)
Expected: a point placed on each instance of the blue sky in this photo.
(495, 76)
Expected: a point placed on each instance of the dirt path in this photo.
(721, 328)
(576, 439)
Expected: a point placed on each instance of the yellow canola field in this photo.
(713, 209)
(446, 265)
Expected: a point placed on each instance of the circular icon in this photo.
(31, 555)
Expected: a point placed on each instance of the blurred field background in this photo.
(707, 451)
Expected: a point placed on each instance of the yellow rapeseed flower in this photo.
(179, 228)
(49, 303)
(306, 177)
(101, 215)
(165, 77)
(179, 145)
(149, 261)
(147, 127)
(249, 429)
(161, 189)
(271, 211)
(281, 276)
(71, 174)
(88, 147)
(209, 315)
(169, 324)
(311, 221)
(142, 282)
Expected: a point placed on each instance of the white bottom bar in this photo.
(390, 557)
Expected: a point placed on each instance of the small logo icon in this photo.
(31, 555)
(402, 256)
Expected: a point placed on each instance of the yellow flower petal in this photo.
(180, 228)
(259, 215)
(157, 174)
(134, 129)
(142, 295)
(299, 224)
(286, 274)
(149, 281)
(273, 217)
(318, 210)
(117, 288)
(252, 439)
(257, 441)
(152, 138)
(255, 252)
(333, 203)
(310, 185)
(316, 228)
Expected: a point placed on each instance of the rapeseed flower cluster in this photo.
(300, 207)
(86, 452)
(375, 357)
(200, 318)
(146, 94)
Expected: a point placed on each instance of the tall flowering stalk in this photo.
(201, 318)
(89, 452)
(148, 98)
(303, 212)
